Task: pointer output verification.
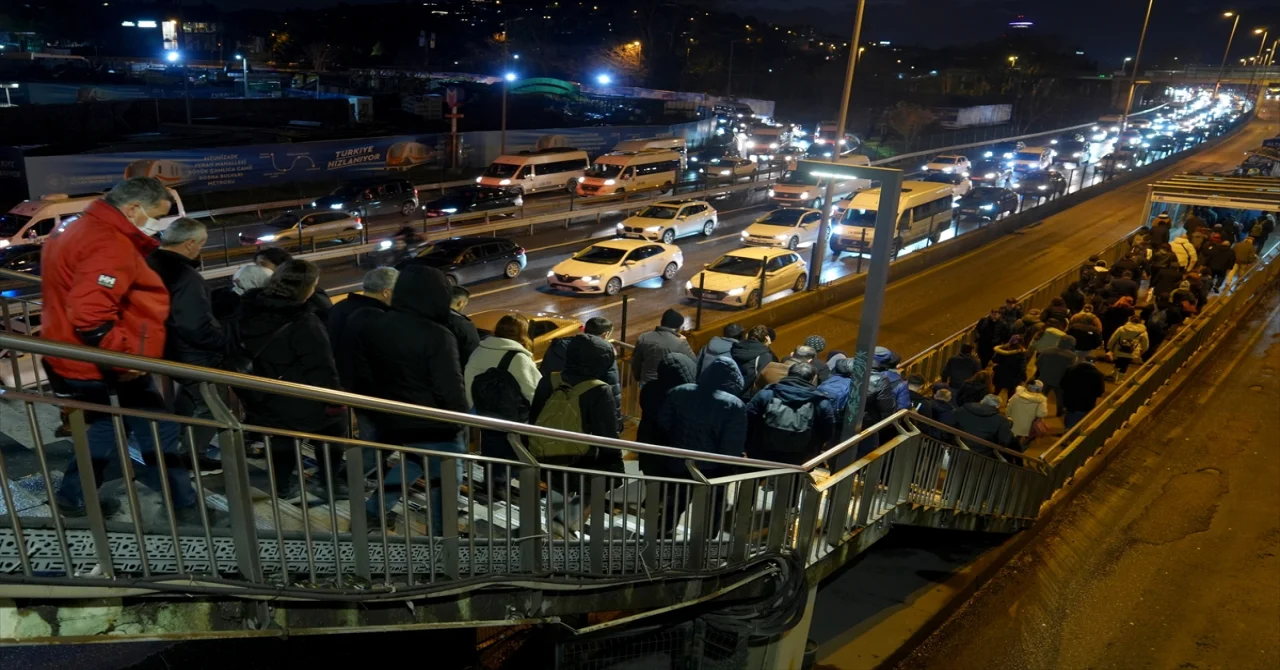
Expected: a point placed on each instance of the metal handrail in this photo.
(113, 359)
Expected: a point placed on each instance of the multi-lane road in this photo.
(551, 244)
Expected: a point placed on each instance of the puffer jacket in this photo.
(790, 390)
(490, 353)
(1129, 332)
(985, 422)
(718, 346)
(1184, 251)
(410, 355)
(291, 345)
(588, 357)
(673, 370)
(707, 416)
(1009, 367)
(751, 357)
(651, 347)
(1219, 257)
(1024, 408)
(192, 333)
(553, 361)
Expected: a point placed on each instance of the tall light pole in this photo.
(175, 57)
(507, 78)
(820, 246)
(728, 87)
(244, 62)
(1222, 68)
(1124, 65)
(1133, 78)
(1257, 60)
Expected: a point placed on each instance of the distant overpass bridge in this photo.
(1209, 75)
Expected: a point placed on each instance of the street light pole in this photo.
(504, 114)
(244, 62)
(1257, 60)
(819, 246)
(1133, 78)
(1222, 68)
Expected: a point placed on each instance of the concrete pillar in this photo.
(786, 651)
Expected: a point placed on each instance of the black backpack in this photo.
(788, 426)
(497, 394)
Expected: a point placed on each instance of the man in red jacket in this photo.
(99, 292)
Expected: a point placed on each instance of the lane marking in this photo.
(500, 290)
(709, 240)
(583, 312)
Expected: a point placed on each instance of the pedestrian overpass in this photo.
(517, 541)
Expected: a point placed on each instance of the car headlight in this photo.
(837, 229)
(987, 154)
(621, 226)
(1146, 145)
(313, 203)
(267, 238)
(551, 273)
(1053, 141)
(652, 229)
(924, 167)
(693, 159)
(948, 170)
(987, 207)
(385, 244)
(478, 179)
(780, 237)
(1076, 154)
(4, 243)
(804, 195)
(771, 193)
(989, 175)
(688, 286)
(773, 145)
(736, 291)
(1042, 187)
(749, 144)
(724, 173)
(609, 182)
(450, 210)
(336, 205)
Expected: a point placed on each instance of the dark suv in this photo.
(466, 260)
(375, 197)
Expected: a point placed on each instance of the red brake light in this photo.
(519, 250)
(415, 192)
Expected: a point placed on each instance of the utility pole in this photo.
(1133, 78)
(1222, 68)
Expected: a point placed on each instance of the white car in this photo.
(729, 167)
(790, 227)
(607, 266)
(666, 220)
(960, 184)
(735, 278)
(948, 163)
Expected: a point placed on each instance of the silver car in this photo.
(320, 226)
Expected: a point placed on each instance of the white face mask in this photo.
(154, 227)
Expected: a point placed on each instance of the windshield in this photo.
(501, 170)
(604, 171)
(656, 212)
(865, 218)
(799, 178)
(284, 221)
(737, 265)
(601, 255)
(783, 217)
(1027, 156)
(10, 224)
(945, 160)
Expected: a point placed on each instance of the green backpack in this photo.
(563, 411)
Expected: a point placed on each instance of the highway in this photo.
(552, 244)
(923, 309)
(1168, 559)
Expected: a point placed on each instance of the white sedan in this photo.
(607, 266)
(790, 227)
(729, 167)
(735, 279)
(948, 163)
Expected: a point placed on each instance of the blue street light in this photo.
(604, 79)
(172, 56)
(510, 76)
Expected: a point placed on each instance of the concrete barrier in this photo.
(794, 307)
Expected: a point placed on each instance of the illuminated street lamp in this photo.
(1013, 61)
(506, 79)
(604, 79)
(245, 63)
(1257, 60)
(176, 57)
(1222, 68)
(6, 86)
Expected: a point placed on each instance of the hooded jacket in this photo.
(490, 353)
(1244, 251)
(983, 421)
(651, 347)
(884, 364)
(673, 370)
(1219, 257)
(1184, 251)
(790, 390)
(192, 333)
(1049, 338)
(1052, 363)
(959, 369)
(347, 320)
(587, 357)
(751, 356)
(1129, 332)
(707, 416)
(410, 355)
(300, 354)
(970, 391)
(553, 361)
(1010, 366)
(99, 291)
(718, 346)
(1024, 408)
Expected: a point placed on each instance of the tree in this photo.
(319, 55)
(908, 120)
(627, 60)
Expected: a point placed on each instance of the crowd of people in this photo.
(110, 284)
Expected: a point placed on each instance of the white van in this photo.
(924, 210)
(556, 168)
(676, 144)
(31, 221)
(631, 171)
(799, 188)
(765, 141)
(1032, 158)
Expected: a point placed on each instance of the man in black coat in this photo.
(347, 323)
(461, 326)
(273, 257)
(587, 358)
(192, 334)
(752, 354)
(992, 330)
(1082, 385)
(961, 367)
(410, 355)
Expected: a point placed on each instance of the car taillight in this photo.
(359, 220)
(415, 192)
(520, 251)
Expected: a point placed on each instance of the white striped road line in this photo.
(717, 239)
(589, 240)
(500, 290)
(598, 308)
